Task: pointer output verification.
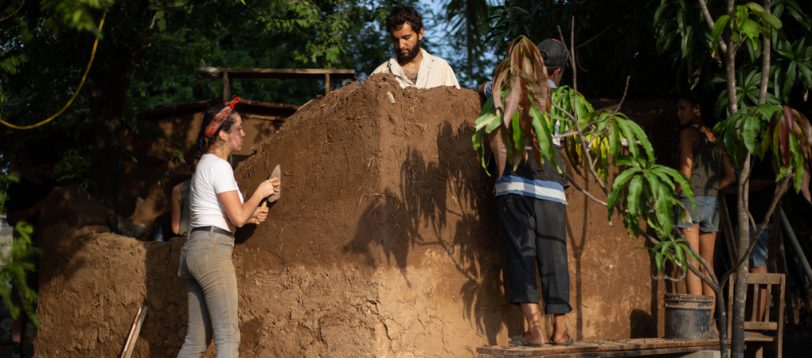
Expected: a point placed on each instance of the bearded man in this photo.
(413, 66)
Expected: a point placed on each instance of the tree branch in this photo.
(570, 49)
(709, 20)
(765, 61)
(780, 189)
(587, 193)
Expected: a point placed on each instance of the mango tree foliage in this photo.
(779, 131)
(523, 114)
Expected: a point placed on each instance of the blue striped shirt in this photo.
(529, 187)
(534, 188)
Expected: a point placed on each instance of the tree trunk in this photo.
(740, 288)
(721, 323)
(765, 61)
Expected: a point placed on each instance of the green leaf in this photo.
(680, 253)
(642, 139)
(634, 196)
(628, 134)
(517, 135)
(751, 29)
(658, 260)
(750, 131)
(664, 179)
(617, 188)
(614, 139)
(543, 135)
(718, 29)
(773, 21)
(488, 121)
(663, 198)
(755, 7)
(478, 142)
(797, 162)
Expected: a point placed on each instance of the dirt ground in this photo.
(384, 243)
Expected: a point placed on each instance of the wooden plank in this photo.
(618, 353)
(185, 108)
(761, 326)
(249, 105)
(639, 353)
(757, 337)
(267, 105)
(598, 346)
(755, 302)
(764, 278)
(779, 349)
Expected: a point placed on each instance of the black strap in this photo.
(213, 228)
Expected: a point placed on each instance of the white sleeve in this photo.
(223, 177)
(450, 77)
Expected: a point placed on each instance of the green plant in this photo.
(17, 266)
(758, 86)
(522, 114)
(75, 165)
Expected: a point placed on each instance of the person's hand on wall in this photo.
(260, 214)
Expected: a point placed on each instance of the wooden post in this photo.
(226, 87)
(326, 83)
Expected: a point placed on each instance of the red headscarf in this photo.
(221, 116)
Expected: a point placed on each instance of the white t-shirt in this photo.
(433, 72)
(212, 176)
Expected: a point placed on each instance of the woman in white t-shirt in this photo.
(216, 209)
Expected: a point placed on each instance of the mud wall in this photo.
(384, 243)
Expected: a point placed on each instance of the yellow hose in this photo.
(75, 94)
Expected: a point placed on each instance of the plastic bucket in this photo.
(687, 317)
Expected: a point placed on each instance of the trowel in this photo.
(276, 173)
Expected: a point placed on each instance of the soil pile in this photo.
(384, 243)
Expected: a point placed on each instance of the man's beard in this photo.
(410, 55)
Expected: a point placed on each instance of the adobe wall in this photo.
(384, 244)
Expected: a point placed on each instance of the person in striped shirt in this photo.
(531, 205)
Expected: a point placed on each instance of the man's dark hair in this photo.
(555, 54)
(400, 15)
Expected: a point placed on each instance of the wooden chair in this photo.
(770, 328)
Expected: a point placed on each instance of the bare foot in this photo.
(562, 339)
(531, 338)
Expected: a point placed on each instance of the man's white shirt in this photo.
(433, 72)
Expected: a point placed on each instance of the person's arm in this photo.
(260, 214)
(687, 143)
(238, 213)
(728, 173)
(175, 203)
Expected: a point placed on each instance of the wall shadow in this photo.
(577, 242)
(165, 325)
(446, 206)
(642, 324)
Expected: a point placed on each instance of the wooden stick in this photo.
(135, 329)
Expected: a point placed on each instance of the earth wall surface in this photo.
(384, 243)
